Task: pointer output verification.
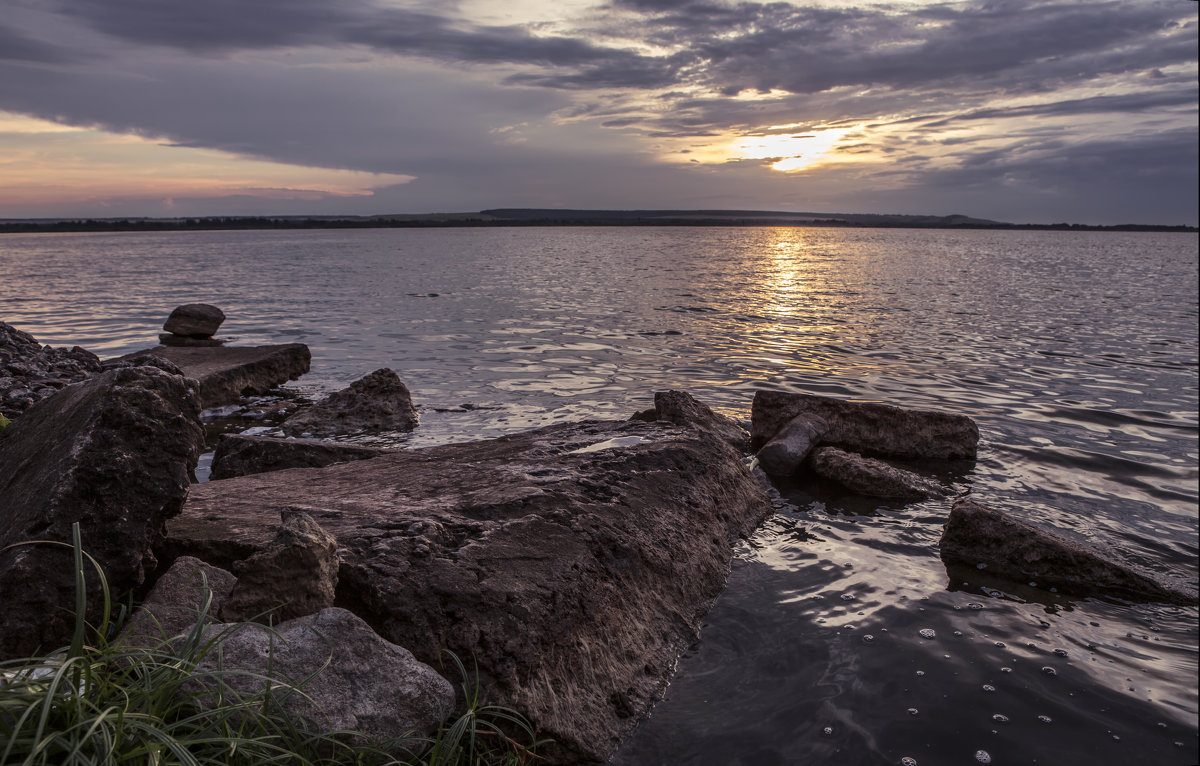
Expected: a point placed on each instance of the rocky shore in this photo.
(571, 563)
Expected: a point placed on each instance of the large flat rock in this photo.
(571, 563)
(227, 373)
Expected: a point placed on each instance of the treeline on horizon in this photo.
(215, 223)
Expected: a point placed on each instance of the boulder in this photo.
(376, 402)
(786, 451)
(786, 426)
(239, 455)
(196, 320)
(870, 477)
(188, 592)
(682, 409)
(350, 679)
(225, 374)
(113, 453)
(572, 563)
(295, 575)
(990, 539)
(30, 372)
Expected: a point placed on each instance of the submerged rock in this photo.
(871, 477)
(376, 402)
(113, 453)
(786, 426)
(194, 320)
(572, 563)
(1012, 549)
(682, 409)
(29, 372)
(356, 681)
(296, 574)
(240, 455)
(225, 374)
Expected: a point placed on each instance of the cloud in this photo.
(634, 98)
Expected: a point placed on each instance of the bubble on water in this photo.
(1045, 719)
(868, 639)
(981, 565)
(1049, 670)
(1000, 644)
(974, 605)
(908, 761)
(1116, 737)
(1005, 669)
(1061, 652)
(913, 711)
(958, 633)
(927, 633)
(920, 672)
(989, 688)
(1162, 724)
(982, 756)
(847, 597)
(957, 608)
(1000, 718)
(1032, 584)
(827, 730)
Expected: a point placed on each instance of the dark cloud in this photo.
(17, 46)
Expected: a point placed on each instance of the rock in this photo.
(377, 402)
(226, 374)
(30, 372)
(239, 455)
(197, 320)
(142, 359)
(113, 453)
(170, 339)
(188, 591)
(295, 575)
(1012, 549)
(682, 409)
(573, 563)
(874, 430)
(359, 682)
(871, 477)
(784, 453)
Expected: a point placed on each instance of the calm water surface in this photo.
(1075, 352)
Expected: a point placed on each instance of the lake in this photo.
(1076, 352)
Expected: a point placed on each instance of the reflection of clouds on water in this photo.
(1075, 352)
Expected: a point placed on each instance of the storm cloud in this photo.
(1084, 105)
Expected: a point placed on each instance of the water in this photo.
(1075, 352)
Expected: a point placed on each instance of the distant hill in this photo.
(549, 217)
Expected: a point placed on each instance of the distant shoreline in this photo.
(551, 217)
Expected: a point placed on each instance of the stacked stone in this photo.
(192, 324)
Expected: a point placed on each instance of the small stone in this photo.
(197, 320)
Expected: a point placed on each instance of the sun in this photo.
(791, 151)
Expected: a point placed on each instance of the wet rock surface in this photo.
(359, 682)
(239, 455)
(225, 374)
(571, 571)
(871, 477)
(1015, 550)
(113, 453)
(296, 574)
(682, 409)
(29, 372)
(805, 421)
(376, 402)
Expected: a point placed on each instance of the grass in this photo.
(100, 701)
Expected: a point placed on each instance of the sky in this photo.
(1037, 111)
